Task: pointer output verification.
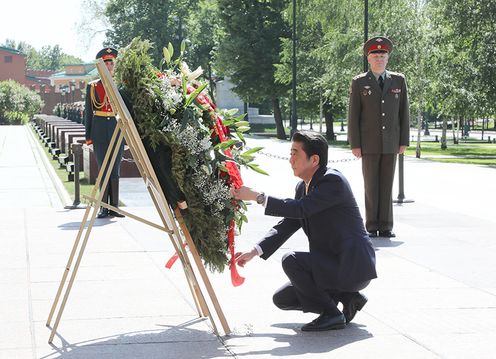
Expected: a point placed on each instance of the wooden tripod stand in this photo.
(174, 226)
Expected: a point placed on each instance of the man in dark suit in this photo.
(341, 259)
(100, 122)
(378, 129)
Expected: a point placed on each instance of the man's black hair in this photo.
(313, 143)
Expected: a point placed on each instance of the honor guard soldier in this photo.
(100, 123)
(378, 129)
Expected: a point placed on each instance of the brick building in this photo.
(13, 66)
(65, 87)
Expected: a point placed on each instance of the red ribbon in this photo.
(174, 258)
(234, 179)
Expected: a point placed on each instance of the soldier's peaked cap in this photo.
(377, 44)
(107, 53)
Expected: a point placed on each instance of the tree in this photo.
(48, 58)
(203, 33)
(250, 49)
(158, 21)
(17, 103)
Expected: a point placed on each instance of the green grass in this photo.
(84, 187)
(467, 152)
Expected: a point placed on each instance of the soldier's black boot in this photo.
(104, 212)
(114, 197)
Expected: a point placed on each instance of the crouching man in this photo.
(340, 261)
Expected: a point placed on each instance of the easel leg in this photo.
(104, 172)
(203, 273)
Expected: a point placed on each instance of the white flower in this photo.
(187, 72)
(195, 74)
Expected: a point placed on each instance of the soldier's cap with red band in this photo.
(107, 54)
(377, 44)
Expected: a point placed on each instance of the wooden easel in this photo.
(126, 129)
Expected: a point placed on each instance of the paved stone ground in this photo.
(435, 296)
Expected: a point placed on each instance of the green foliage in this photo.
(203, 33)
(250, 48)
(17, 103)
(158, 21)
(48, 58)
(444, 47)
(172, 111)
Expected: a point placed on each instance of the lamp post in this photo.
(294, 120)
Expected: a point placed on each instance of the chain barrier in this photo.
(124, 159)
(287, 158)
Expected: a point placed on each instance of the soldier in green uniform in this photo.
(378, 129)
(100, 122)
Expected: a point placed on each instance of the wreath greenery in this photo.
(167, 112)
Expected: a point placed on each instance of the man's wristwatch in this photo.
(261, 198)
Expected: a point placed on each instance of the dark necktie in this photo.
(381, 82)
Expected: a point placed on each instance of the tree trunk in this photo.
(321, 113)
(245, 110)
(211, 87)
(418, 150)
(482, 133)
(455, 130)
(281, 134)
(444, 144)
(329, 121)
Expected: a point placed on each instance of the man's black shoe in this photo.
(387, 234)
(104, 212)
(355, 304)
(325, 322)
(372, 234)
(115, 214)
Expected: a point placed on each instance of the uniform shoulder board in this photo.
(362, 75)
(397, 74)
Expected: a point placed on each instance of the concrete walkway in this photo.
(435, 296)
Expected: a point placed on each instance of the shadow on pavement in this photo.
(302, 343)
(74, 226)
(385, 243)
(179, 341)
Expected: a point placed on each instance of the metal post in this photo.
(77, 149)
(401, 196)
(365, 32)
(294, 121)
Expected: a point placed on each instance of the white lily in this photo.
(195, 74)
(187, 72)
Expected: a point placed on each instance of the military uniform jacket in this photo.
(342, 253)
(98, 128)
(378, 121)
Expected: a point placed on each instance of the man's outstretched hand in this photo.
(245, 193)
(245, 257)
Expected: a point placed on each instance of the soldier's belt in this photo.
(104, 114)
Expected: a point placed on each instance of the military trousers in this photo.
(378, 176)
(111, 192)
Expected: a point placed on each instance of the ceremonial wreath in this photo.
(195, 147)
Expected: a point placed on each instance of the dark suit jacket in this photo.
(342, 253)
(378, 121)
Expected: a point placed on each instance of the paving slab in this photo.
(435, 296)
